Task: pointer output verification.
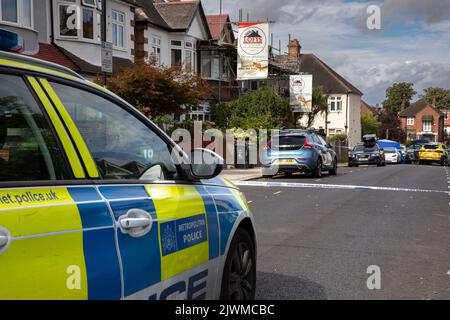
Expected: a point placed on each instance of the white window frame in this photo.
(337, 101)
(154, 47)
(94, 5)
(58, 19)
(94, 15)
(20, 16)
(427, 125)
(119, 24)
(176, 47)
(410, 121)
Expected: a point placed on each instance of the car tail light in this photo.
(301, 159)
(306, 145)
(439, 151)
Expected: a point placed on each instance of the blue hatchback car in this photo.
(298, 151)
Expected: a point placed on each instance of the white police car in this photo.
(94, 205)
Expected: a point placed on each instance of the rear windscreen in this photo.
(430, 146)
(362, 148)
(288, 142)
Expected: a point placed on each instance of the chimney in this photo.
(433, 103)
(294, 49)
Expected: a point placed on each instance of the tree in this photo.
(440, 96)
(162, 90)
(390, 127)
(369, 123)
(398, 96)
(319, 106)
(261, 109)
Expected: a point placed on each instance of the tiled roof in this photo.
(216, 24)
(416, 107)
(52, 53)
(61, 56)
(323, 75)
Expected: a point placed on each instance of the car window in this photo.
(29, 150)
(322, 141)
(122, 146)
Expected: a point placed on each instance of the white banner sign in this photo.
(253, 51)
(301, 87)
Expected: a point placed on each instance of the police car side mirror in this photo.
(205, 164)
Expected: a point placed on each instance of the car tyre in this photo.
(333, 171)
(239, 273)
(317, 172)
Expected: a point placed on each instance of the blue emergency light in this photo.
(10, 41)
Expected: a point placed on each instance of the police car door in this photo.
(167, 232)
(56, 233)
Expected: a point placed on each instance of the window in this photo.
(67, 21)
(89, 3)
(427, 125)
(410, 121)
(28, 147)
(214, 65)
(122, 146)
(88, 24)
(10, 11)
(188, 61)
(118, 28)
(176, 53)
(156, 49)
(27, 13)
(335, 104)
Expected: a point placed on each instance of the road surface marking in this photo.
(276, 193)
(328, 186)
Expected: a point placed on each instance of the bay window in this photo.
(88, 24)
(19, 12)
(214, 65)
(176, 53)
(156, 49)
(67, 21)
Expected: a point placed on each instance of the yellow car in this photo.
(433, 153)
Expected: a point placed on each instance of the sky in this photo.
(413, 44)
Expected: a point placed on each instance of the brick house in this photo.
(422, 120)
(446, 113)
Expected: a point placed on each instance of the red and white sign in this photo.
(253, 51)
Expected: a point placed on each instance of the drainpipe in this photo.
(52, 24)
(346, 119)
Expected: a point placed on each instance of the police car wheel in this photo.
(239, 275)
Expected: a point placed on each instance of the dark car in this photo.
(370, 154)
(298, 151)
(412, 153)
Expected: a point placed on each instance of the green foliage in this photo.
(369, 123)
(162, 90)
(339, 137)
(221, 115)
(319, 105)
(397, 95)
(261, 109)
(441, 95)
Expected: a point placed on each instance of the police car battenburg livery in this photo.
(94, 205)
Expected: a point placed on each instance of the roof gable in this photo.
(218, 24)
(417, 107)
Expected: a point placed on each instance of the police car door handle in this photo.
(5, 239)
(129, 223)
(136, 223)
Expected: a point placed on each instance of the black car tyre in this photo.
(333, 171)
(239, 273)
(317, 172)
(350, 165)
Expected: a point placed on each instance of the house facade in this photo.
(69, 32)
(344, 99)
(170, 34)
(423, 121)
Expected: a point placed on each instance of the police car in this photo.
(96, 202)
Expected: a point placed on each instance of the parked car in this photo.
(412, 153)
(434, 152)
(298, 151)
(392, 155)
(392, 144)
(366, 154)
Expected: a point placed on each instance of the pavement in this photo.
(322, 238)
